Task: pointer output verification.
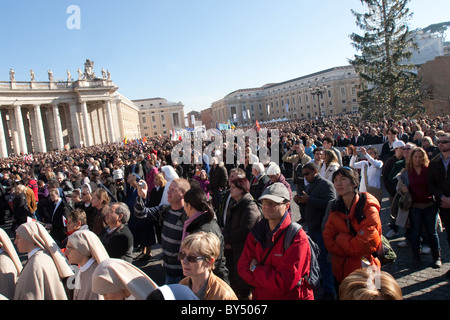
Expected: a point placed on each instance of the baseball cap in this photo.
(276, 192)
(398, 144)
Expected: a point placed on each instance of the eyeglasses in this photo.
(192, 259)
(443, 142)
(406, 148)
(271, 204)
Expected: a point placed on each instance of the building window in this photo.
(343, 92)
(329, 93)
(144, 120)
(176, 119)
(163, 118)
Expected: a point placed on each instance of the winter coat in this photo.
(348, 250)
(243, 215)
(282, 271)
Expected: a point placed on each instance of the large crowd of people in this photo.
(225, 228)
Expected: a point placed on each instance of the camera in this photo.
(141, 184)
(358, 149)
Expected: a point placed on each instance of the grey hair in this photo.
(258, 166)
(122, 209)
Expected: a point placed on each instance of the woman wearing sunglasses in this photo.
(199, 252)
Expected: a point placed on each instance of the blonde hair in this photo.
(409, 161)
(205, 244)
(365, 284)
(161, 178)
(102, 195)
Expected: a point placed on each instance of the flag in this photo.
(125, 141)
(258, 128)
(144, 139)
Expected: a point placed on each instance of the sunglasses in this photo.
(192, 259)
(443, 142)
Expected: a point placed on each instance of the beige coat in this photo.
(8, 276)
(40, 280)
(10, 266)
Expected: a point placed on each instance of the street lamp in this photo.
(318, 90)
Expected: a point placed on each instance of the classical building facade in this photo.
(328, 92)
(158, 117)
(39, 116)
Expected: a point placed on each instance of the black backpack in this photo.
(314, 274)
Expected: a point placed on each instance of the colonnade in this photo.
(27, 127)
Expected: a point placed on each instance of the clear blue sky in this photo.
(194, 51)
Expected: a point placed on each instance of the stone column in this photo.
(40, 135)
(20, 129)
(74, 124)
(87, 125)
(3, 149)
(109, 121)
(58, 128)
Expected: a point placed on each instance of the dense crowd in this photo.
(217, 221)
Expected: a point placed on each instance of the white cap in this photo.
(398, 144)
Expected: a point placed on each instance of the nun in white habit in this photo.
(85, 249)
(10, 266)
(117, 279)
(43, 274)
(169, 174)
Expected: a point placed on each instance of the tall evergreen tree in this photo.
(390, 87)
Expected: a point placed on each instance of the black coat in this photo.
(20, 209)
(321, 191)
(58, 231)
(119, 243)
(257, 187)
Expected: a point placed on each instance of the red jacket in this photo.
(346, 249)
(277, 279)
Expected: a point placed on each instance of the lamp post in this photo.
(318, 90)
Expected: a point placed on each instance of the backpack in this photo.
(314, 274)
(385, 252)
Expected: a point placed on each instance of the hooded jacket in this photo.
(348, 250)
(279, 277)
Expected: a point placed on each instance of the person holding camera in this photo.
(370, 171)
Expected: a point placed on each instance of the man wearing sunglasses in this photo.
(439, 181)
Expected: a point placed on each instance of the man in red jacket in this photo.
(274, 273)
